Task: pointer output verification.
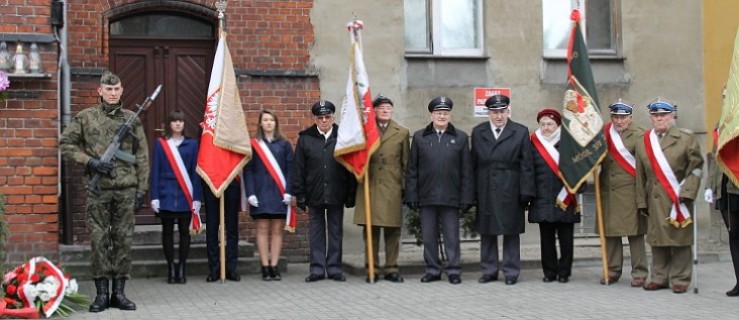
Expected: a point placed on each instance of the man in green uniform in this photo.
(387, 179)
(618, 194)
(110, 215)
(668, 175)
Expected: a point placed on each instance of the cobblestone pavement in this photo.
(582, 298)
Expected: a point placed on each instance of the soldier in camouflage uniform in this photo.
(109, 216)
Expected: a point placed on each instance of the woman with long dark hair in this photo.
(268, 186)
(176, 191)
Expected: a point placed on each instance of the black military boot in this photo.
(118, 298)
(102, 300)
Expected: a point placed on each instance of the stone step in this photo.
(586, 254)
(152, 234)
(197, 269)
(81, 253)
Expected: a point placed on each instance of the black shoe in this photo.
(376, 278)
(233, 276)
(102, 300)
(562, 279)
(430, 278)
(488, 278)
(511, 281)
(548, 279)
(394, 277)
(181, 273)
(455, 279)
(265, 273)
(171, 272)
(212, 276)
(274, 273)
(337, 277)
(314, 277)
(733, 292)
(118, 297)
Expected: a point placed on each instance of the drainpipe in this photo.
(64, 89)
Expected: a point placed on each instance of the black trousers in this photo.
(731, 219)
(550, 231)
(231, 204)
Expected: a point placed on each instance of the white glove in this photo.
(253, 201)
(196, 206)
(155, 205)
(287, 199)
(708, 196)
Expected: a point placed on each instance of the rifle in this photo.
(113, 151)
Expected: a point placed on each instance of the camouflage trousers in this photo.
(110, 221)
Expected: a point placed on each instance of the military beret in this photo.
(323, 107)
(661, 107)
(497, 101)
(621, 108)
(551, 114)
(380, 100)
(440, 103)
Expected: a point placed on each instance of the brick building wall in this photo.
(269, 42)
(28, 135)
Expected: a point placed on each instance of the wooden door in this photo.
(181, 66)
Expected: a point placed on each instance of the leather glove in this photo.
(253, 201)
(463, 208)
(413, 206)
(302, 205)
(643, 212)
(708, 195)
(287, 199)
(688, 202)
(97, 166)
(196, 206)
(155, 205)
(350, 201)
(139, 200)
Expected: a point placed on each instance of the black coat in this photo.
(439, 172)
(317, 177)
(504, 178)
(544, 207)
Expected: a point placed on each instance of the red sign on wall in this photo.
(482, 94)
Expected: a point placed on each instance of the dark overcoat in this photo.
(504, 177)
(544, 208)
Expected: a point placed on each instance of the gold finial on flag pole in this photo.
(221, 8)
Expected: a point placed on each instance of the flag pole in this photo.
(368, 227)
(222, 240)
(601, 227)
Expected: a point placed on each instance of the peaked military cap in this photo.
(440, 103)
(323, 107)
(497, 101)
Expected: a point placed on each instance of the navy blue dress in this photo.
(164, 185)
(260, 183)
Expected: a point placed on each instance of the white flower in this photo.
(51, 281)
(31, 291)
(45, 296)
(72, 287)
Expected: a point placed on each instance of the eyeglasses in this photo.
(324, 118)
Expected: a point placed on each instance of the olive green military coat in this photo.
(618, 192)
(684, 155)
(386, 179)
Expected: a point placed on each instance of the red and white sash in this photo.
(183, 179)
(618, 150)
(273, 167)
(551, 157)
(679, 214)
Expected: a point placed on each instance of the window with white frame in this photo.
(599, 22)
(443, 27)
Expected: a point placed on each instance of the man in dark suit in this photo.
(323, 187)
(438, 182)
(504, 185)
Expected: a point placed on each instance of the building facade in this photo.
(288, 54)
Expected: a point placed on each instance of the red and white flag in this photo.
(358, 136)
(224, 146)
